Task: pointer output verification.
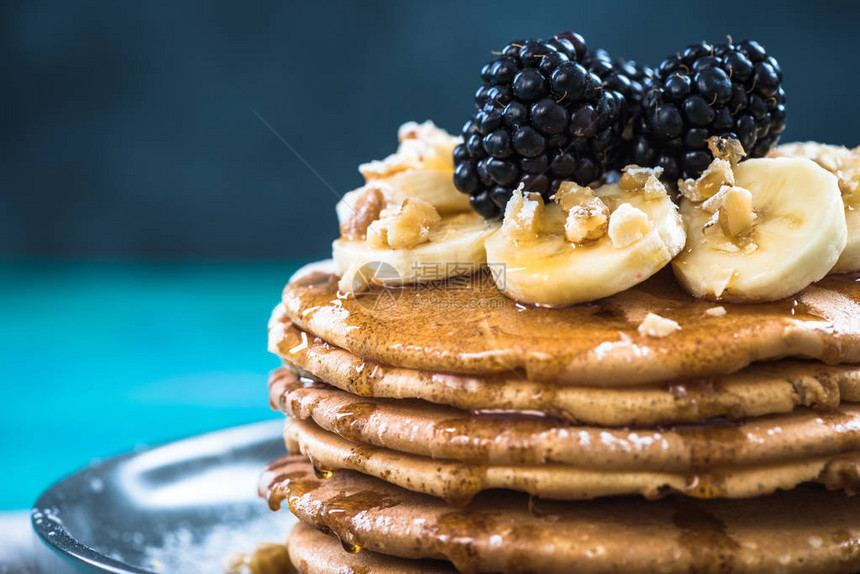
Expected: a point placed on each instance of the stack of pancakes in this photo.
(447, 428)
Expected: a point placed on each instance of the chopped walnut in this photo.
(586, 222)
(403, 227)
(570, 194)
(730, 149)
(627, 225)
(523, 215)
(732, 209)
(716, 311)
(736, 214)
(656, 326)
(718, 174)
(654, 188)
(635, 177)
(365, 209)
(587, 215)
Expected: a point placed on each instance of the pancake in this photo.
(438, 432)
(458, 482)
(475, 329)
(805, 530)
(760, 389)
(313, 552)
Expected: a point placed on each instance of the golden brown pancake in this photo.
(760, 389)
(313, 552)
(458, 482)
(804, 530)
(478, 330)
(414, 372)
(439, 432)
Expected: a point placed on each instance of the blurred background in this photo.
(156, 194)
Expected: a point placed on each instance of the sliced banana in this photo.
(408, 223)
(844, 163)
(434, 186)
(452, 246)
(623, 237)
(779, 227)
(422, 167)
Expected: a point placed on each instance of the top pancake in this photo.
(469, 327)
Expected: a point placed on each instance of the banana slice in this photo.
(453, 245)
(844, 163)
(422, 167)
(778, 227)
(596, 245)
(408, 223)
(434, 186)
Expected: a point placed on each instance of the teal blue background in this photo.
(97, 358)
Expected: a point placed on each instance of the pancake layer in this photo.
(758, 390)
(478, 330)
(438, 432)
(806, 530)
(313, 552)
(458, 482)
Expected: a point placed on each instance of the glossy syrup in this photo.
(507, 531)
(478, 330)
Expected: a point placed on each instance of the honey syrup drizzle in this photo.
(587, 343)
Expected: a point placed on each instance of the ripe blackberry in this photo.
(542, 118)
(621, 75)
(728, 90)
(632, 81)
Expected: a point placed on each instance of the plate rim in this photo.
(53, 533)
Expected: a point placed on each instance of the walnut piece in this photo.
(627, 225)
(586, 222)
(366, 209)
(523, 215)
(718, 174)
(587, 215)
(718, 311)
(736, 214)
(656, 326)
(635, 177)
(404, 226)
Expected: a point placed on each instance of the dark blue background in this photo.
(127, 127)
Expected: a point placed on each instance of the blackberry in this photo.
(543, 117)
(630, 80)
(727, 90)
(621, 75)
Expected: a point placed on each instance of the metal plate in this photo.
(182, 507)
